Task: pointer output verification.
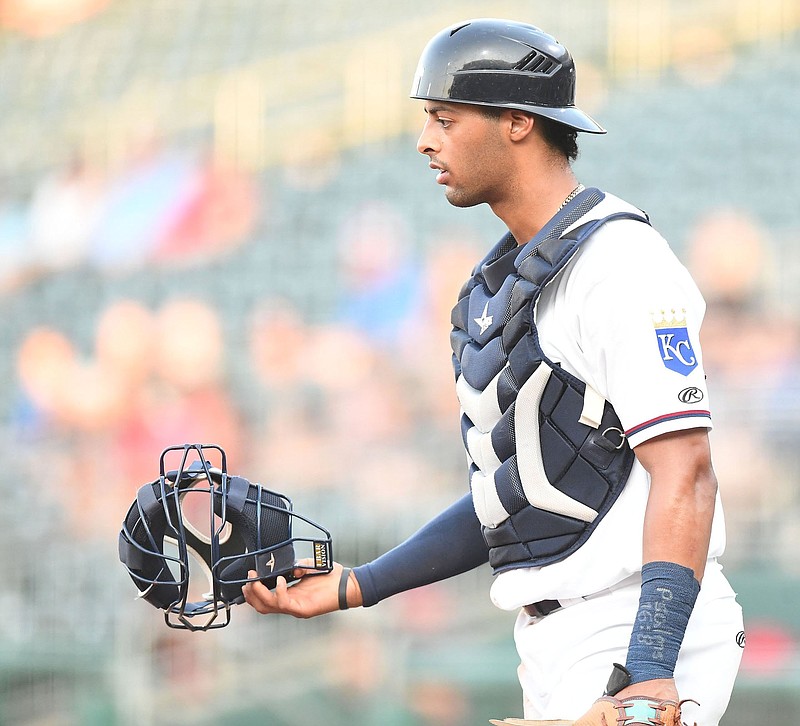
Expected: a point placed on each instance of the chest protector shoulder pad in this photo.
(548, 456)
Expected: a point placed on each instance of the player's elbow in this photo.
(705, 491)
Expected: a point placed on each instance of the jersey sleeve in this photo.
(450, 544)
(640, 329)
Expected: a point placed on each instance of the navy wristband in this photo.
(343, 580)
(669, 592)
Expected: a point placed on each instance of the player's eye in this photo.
(444, 122)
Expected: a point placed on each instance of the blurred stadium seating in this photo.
(201, 199)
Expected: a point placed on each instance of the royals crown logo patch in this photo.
(674, 345)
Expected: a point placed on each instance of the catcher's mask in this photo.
(504, 64)
(219, 524)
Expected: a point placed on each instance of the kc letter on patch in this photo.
(674, 345)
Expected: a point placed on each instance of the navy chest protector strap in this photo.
(549, 456)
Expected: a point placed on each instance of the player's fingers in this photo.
(303, 567)
(284, 602)
(258, 596)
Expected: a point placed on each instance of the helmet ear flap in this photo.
(261, 519)
(141, 547)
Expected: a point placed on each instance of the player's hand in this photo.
(663, 689)
(312, 595)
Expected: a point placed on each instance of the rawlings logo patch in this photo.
(674, 345)
(690, 395)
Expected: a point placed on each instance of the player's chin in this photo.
(461, 198)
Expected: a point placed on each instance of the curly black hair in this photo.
(560, 137)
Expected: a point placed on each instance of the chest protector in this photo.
(547, 454)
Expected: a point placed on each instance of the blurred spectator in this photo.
(276, 340)
(158, 205)
(439, 703)
(751, 348)
(15, 254)
(427, 354)
(155, 380)
(168, 204)
(729, 253)
(186, 400)
(217, 214)
(126, 340)
(64, 210)
(380, 284)
(42, 361)
(144, 197)
(46, 17)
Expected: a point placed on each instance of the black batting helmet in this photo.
(505, 64)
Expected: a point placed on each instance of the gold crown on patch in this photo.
(660, 319)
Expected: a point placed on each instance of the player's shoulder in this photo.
(623, 240)
(620, 216)
(625, 253)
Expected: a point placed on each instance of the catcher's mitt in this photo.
(610, 711)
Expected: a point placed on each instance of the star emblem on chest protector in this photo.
(485, 320)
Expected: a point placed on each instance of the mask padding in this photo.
(145, 525)
(275, 527)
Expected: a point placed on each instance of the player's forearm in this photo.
(678, 524)
(680, 508)
(448, 545)
(677, 530)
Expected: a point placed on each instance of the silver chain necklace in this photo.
(574, 193)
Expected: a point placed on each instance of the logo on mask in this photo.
(674, 345)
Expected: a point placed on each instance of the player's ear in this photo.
(519, 123)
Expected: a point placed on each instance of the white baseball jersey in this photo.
(624, 316)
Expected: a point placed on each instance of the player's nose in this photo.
(426, 143)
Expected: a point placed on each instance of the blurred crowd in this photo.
(355, 402)
(160, 204)
(751, 348)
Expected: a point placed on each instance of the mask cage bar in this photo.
(178, 614)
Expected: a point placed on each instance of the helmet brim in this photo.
(570, 116)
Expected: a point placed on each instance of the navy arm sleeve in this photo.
(450, 544)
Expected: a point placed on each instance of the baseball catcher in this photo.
(584, 412)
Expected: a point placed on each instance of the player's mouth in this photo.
(443, 175)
